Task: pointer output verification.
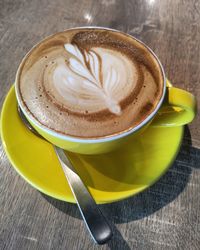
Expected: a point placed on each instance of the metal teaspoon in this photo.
(95, 221)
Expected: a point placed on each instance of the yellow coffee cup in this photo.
(176, 107)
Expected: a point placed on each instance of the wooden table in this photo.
(167, 215)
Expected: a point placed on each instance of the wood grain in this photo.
(167, 215)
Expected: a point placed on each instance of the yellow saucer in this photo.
(110, 177)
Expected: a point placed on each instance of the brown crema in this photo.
(90, 82)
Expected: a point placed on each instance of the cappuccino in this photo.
(90, 82)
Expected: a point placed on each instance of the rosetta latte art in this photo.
(83, 80)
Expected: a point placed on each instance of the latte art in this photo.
(90, 82)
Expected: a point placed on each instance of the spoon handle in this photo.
(96, 223)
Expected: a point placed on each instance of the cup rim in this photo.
(99, 139)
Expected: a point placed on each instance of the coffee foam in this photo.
(90, 82)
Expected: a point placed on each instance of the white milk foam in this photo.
(94, 80)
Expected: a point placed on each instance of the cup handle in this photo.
(179, 108)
